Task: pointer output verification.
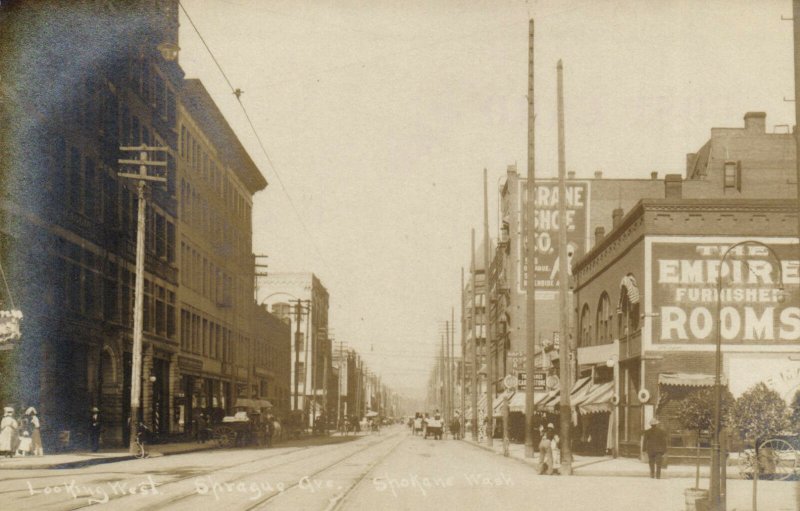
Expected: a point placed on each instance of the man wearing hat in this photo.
(94, 429)
(655, 445)
(9, 436)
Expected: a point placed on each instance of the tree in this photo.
(794, 419)
(697, 414)
(760, 413)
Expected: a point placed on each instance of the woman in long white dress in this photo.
(9, 436)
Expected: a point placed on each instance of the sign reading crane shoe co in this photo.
(753, 306)
(546, 231)
(9, 326)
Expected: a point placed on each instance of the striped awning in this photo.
(552, 404)
(689, 379)
(597, 400)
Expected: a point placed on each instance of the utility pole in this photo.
(530, 265)
(473, 317)
(450, 375)
(463, 362)
(144, 162)
(298, 316)
(563, 283)
(342, 364)
(487, 321)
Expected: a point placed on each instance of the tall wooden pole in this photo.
(487, 314)
(138, 315)
(463, 361)
(450, 375)
(474, 320)
(563, 283)
(530, 241)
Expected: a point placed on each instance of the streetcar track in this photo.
(323, 469)
(338, 502)
(186, 495)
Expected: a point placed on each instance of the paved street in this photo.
(389, 471)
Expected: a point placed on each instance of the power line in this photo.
(238, 92)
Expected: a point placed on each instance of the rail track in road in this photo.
(95, 479)
(336, 501)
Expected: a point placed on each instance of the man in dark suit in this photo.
(655, 445)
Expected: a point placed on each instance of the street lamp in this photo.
(716, 482)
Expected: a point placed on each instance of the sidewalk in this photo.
(80, 459)
(85, 458)
(602, 465)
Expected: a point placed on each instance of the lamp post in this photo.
(716, 483)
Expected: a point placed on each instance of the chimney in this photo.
(598, 174)
(691, 158)
(654, 175)
(616, 217)
(599, 234)
(571, 174)
(673, 186)
(755, 122)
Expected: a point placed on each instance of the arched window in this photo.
(604, 319)
(586, 327)
(628, 308)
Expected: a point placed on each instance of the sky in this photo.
(378, 118)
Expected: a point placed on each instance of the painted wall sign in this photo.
(546, 232)
(754, 306)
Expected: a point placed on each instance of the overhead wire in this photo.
(238, 92)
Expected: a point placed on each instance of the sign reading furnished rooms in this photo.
(752, 306)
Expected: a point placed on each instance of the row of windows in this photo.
(196, 211)
(202, 336)
(88, 285)
(147, 80)
(598, 330)
(206, 167)
(205, 278)
(95, 192)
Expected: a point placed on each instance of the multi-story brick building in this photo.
(312, 367)
(216, 182)
(272, 354)
(68, 220)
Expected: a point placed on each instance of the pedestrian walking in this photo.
(546, 463)
(95, 426)
(655, 445)
(202, 426)
(455, 427)
(34, 427)
(9, 433)
(270, 429)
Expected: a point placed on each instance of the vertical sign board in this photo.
(753, 309)
(343, 377)
(546, 232)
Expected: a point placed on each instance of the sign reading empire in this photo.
(546, 226)
(753, 309)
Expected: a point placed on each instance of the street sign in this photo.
(510, 382)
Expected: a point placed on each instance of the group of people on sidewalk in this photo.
(20, 436)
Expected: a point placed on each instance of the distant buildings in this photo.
(311, 366)
(731, 191)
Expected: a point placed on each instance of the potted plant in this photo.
(759, 414)
(697, 414)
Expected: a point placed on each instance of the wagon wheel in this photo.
(777, 459)
(225, 436)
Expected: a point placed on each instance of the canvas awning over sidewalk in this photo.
(689, 379)
(578, 388)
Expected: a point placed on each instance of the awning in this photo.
(598, 399)
(252, 403)
(578, 388)
(689, 379)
